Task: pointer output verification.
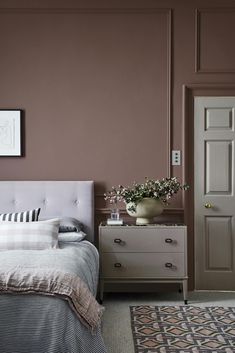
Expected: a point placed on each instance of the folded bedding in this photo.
(38, 322)
(55, 283)
(42, 264)
(60, 272)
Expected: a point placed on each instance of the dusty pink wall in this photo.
(101, 84)
(93, 87)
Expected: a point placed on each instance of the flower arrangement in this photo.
(162, 190)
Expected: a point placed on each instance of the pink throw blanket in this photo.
(49, 281)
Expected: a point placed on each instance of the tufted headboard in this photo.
(55, 198)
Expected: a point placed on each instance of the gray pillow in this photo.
(67, 224)
(70, 224)
(71, 236)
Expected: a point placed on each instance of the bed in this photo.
(32, 322)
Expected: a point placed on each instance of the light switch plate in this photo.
(176, 157)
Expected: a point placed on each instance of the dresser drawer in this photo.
(142, 239)
(142, 265)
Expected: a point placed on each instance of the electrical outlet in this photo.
(176, 157)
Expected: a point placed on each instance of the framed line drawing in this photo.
(10, 132)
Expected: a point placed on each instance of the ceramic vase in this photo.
(146, 210)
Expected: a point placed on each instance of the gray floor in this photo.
(116, 321)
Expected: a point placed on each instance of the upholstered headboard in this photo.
(55, 198)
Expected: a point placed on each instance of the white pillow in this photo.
(71, 236)
(29, 235)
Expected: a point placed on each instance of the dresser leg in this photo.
(185, 291)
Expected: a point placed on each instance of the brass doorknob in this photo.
(208, 205)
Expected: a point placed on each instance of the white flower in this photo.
(162, 189)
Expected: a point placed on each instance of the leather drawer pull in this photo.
(118, 241)
(168, 240)
(168, 265)
(117, 264)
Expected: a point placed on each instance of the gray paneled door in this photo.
(214, 139)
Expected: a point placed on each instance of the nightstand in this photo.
(143, 254)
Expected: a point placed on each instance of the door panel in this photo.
(219, 118)
(218, 180)
(218, 235)
(214, 192)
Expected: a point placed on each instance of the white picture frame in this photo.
(10, 132)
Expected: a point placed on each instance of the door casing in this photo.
(214, 192)
(189, 91)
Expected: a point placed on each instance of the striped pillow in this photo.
(26, 216)
(29, 235)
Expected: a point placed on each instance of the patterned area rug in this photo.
(183, 329)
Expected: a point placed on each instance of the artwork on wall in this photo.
(10, 132)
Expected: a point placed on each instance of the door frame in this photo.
(189, 92)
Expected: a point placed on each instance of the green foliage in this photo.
(162, 190)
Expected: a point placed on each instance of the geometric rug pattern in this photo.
(183, 329)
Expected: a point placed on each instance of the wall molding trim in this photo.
(84, 10)
(198, 12)
(167, 211)
(121, 10)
